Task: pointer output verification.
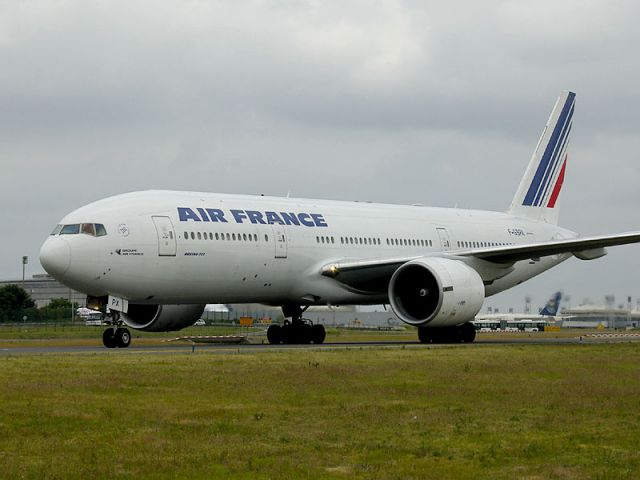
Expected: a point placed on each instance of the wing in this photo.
(373, 275)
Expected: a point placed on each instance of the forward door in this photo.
(166, 236)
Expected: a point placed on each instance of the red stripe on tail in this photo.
(558, 187)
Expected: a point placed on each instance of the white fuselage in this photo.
(160, 250)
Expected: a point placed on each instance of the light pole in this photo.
(25, 260)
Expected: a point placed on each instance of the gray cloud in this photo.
(391, 101)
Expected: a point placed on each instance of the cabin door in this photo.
(166, 236)
(443, 235)
(280, 241)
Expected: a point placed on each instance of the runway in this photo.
(189, 348)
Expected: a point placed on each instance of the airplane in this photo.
(549, 311)
(153, 259)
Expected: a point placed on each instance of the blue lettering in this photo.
(185, 214)
(238, 215)
(304, 220)
(255, 217)
(319, 219)
(216, 215)
(272, 217)
(290, 218)
(203, 214)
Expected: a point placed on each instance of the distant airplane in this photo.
(549, 310)
(155, 258)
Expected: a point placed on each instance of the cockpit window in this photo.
(92, 229)
(88, 229)
(70, 229)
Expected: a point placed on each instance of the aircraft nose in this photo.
(55, 256)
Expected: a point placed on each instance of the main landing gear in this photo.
(116, 335)
(297, 330)
(465, 333)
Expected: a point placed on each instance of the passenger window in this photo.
(199, 236)
(266, 238)
(193, 236)
(70, 229)
(186, 235)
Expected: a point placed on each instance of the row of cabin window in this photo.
(376, 241)
(359, 241)
(410, 242)
(240, 237)
(482, 244)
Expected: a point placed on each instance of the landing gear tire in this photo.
(108, 338)
(318, 334)
(465, 333)
(274, 334)
(122, 337)
(296, 332)
(424, 335)
(468, 332)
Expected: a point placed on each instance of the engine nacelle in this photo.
(161, 318)
(436, 292)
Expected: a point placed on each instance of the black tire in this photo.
(305, 333)
(108, 339)
(123, 337)
(468, 332)
(425, 335)
(274, 334)
(318, 334)
(287, 334)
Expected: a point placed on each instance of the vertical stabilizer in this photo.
(552, 306)
(538, 194)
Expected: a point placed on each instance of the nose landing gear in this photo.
(116, 335)
(296, 331)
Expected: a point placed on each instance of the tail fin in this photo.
(537, 195)
(552, 306)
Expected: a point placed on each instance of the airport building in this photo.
(43, 288)
(599, 316)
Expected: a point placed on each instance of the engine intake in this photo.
(161, 318)
(436, 292)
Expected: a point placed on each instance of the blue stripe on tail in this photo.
(559, 133)
(544, 187)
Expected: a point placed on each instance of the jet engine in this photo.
(436, 292)
(161, 318)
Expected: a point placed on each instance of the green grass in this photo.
(456, 412)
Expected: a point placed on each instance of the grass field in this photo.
(458, 412)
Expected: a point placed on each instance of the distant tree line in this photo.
(16, 303)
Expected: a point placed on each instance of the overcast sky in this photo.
(428, 102)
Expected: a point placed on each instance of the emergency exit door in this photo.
(166, 236)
